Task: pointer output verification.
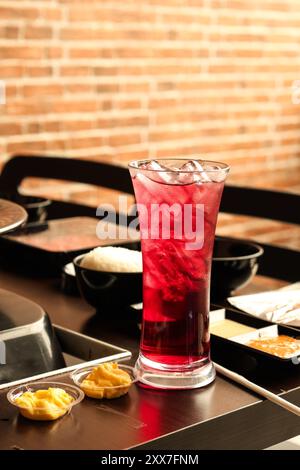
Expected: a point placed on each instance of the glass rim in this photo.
(135, 164)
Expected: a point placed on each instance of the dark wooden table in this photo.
(220, 416)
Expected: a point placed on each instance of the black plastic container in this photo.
(245, 359)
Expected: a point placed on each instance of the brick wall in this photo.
(117, 80)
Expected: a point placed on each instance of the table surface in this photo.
(144, 416)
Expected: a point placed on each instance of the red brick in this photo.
(77, 125)
(162, 102)
(124, 139)
(8, 13)
(83, 106)
(73, 70)
(84, 53)
(24, 108)
(79, 88)
(132, 155)
(26, 147)
(54, 52)
(107, 88)
(21, 52)
(51, 14)
(38, 71)
(85, 142)
(135, 87)
(139, 121)
(38, 32)
(240, 53)
(9, 129)
(127, 104)
(9, 32)
(105, 70)
(54, 145)
(79, 14)
(45, 126)
(11, 92)
(10, 71)
(42, 90)
(288, 126)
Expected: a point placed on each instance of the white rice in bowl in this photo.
(113, 259)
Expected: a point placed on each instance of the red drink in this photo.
(176, 266)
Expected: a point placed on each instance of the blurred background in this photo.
(113, 80)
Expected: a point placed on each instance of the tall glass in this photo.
(178, 203)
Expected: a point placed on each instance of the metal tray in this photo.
(229, 352)
(45, 252)
(78, 351)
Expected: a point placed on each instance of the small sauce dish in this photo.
(45, 410)
(101, 391)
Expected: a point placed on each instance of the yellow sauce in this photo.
(229, 328)
(106, 381)
(44, 405)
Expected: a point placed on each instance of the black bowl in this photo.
(36, 207)
(104, 290)
(234, 263)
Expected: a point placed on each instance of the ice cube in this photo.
(152, 165)
(190, 172)
(161, 173)
(199, 174)
(192, 165)
(217, 174)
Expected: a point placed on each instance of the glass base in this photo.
(159, 375)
